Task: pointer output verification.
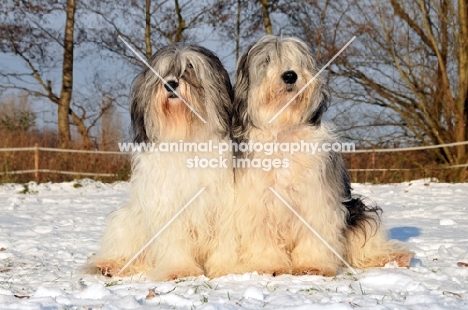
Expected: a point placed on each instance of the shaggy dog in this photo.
(162, 182)
(272, 239)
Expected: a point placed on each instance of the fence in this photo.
(37, 171)
(37, 151)
(406, 149)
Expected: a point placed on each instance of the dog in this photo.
(271, 239)
(162, 183)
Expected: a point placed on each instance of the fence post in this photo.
(373, 159)
(36, 163)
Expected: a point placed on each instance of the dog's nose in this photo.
(170, 84)
(289, 77)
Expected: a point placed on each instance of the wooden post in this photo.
(373, 159)
(374, 176)
(36, 162)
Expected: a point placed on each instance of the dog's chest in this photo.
(298, 150)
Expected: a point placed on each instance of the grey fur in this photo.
(208, 80)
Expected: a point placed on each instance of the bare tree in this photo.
(28, 32)
(243, 21)
(421, 48)
(164, 22)
(408, 65)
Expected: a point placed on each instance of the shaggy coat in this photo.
(272, 239)
(162, 183)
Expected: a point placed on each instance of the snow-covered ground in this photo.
(47, 233)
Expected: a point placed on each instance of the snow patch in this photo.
(447, 222)
(170, 299)
(48, 292)
(253, 293)
(384, 280)
(94, 291)
(5, 255)
(42, 229)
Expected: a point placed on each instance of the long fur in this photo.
(271, 238)
(161, 183)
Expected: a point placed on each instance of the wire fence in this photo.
(38, 153)
(407, 149)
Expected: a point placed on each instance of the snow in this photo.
(47, 234)
(253, 293)
(447, 222)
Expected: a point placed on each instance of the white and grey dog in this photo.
(272, 240)
(161, 182)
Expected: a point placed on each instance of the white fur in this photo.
(275, 241)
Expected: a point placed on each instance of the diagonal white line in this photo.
(313, 230)
(161, 230)
(311, 80)
(161, 78)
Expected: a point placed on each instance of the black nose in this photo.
(170, 84)
(289, 77)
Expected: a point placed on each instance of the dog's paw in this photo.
(402, 259)
(280, 271)
(264, 270)
(169, 275)
(219, 272)
(313, 271)
(108, 268)
(270, 271)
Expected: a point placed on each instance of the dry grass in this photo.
(24, 160)
(18, 129)
(401, 166)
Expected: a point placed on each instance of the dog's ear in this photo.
(227, 102)
(323, 100)
(240, 116)
(137, 110)
(226, 95)
(217, 88)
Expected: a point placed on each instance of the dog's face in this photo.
(269, 75)
(197, 76)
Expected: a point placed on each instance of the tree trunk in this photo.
(238, 23)
(149, 48)
(64, 136)
(181, 23)
(266, 17)
(462, 101)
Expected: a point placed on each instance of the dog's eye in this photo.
(189, 65)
